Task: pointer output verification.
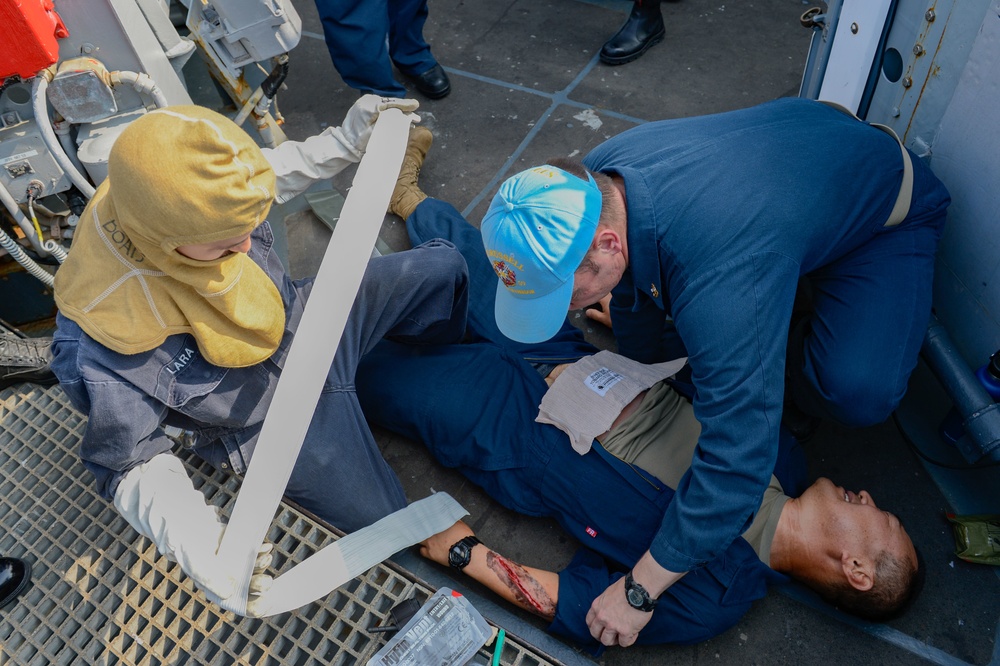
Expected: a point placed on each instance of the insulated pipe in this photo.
(142, 83)
(62, 129)
(980, 414)
(44, 123)
(20, 257)
(22, 220)
(249, 106)
(260, 100)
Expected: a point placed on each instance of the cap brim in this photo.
(532, 319)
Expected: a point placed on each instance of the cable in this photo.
(32, 217)
(22, 220)
(8, 243)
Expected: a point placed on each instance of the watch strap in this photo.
(460, 553)
(637, 596)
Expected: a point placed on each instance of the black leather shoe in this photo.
(14, 577)
(24, 360)
(433, 83)
(643, 29)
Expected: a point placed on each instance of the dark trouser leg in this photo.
(850, 360)
(356, 34)
(407, 46)
(420, 296)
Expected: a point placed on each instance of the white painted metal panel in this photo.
(854, 45)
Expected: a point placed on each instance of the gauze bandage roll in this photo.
(588, 396)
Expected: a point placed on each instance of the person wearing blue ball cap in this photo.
(786, 249)
(536, 233)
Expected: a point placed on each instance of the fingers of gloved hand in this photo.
(260, 583)
(265, 556)
(363, 109)
(360, 119)
(406, 105)
(258, 606)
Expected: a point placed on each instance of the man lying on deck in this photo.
(474, 405)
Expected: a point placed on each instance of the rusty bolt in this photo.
(918, 49)
(929, 16)
(907, 82)
(854, 28)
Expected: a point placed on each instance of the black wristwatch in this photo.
(637, 596)
(460, 554)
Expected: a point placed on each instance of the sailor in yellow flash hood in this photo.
(182, 175)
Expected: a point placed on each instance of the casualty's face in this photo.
(854, 520)
(216, 249)
(597, 275)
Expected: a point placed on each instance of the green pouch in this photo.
(977, 537)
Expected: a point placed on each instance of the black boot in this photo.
(14, 577)
(24, 360)
(643, 29)
(433, 83)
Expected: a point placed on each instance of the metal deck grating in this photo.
(100, 594)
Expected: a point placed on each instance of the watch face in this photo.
(635, 598)
(459, 555)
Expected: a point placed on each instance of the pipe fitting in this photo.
(980, 414)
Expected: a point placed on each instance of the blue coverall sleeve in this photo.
(734, 321)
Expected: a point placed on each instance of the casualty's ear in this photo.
(858, 572)
(608, 240)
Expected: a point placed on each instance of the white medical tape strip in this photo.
(302, 377)
(358, 552)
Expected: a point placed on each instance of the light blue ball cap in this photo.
(536, 232)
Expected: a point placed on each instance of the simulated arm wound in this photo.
(527, 591)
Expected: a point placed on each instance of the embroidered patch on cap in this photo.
(505, 273)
